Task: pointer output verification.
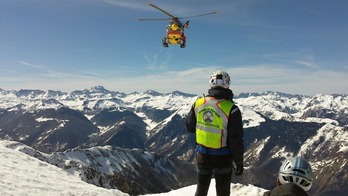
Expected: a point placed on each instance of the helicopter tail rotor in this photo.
(187, 24)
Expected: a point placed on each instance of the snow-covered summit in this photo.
(24, 174)
(275, 105)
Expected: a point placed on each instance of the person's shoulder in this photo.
(267, 193)
(293, 188)
(286, 189)
(200, 98)
(235, 109)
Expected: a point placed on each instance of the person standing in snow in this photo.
(217, 122)
(295, 178)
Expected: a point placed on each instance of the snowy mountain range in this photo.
(23, 174)
(138, 143)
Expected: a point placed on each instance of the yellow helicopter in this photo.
(175, 29)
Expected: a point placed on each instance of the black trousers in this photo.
(219, 166)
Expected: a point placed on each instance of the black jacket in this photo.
(235, 133)
(288, 189)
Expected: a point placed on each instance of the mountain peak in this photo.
(152, 92)
(97, 89)
(179, 93)
(30, 93)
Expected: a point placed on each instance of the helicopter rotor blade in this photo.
(160, 9)
(153, 19)
(216, 12)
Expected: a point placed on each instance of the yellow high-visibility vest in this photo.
(212, 119)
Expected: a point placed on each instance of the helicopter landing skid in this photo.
(164, 42)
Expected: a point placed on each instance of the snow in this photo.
(23, 174)
(150, 123)
(263, 143)
(236, 189)
(273, 105)
(282, 153)
(327, 134)
(250, 117)
(41, 119)
(343, 149)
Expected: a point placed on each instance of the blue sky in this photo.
(291, 46)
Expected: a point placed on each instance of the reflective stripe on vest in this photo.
(212, 119)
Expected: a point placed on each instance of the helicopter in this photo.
(175, 28)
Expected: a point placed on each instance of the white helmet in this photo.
(296, 170)
(219, 79)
